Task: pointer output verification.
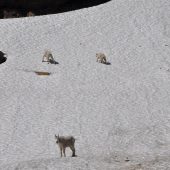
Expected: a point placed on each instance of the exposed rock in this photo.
(33, 4)
(2, 57)
(11, 14)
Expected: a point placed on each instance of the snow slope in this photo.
(117, 112)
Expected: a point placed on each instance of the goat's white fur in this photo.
(47, 57)
(101, 58)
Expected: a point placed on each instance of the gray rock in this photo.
(33, 4)
(2, 57)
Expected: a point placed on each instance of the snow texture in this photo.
(118, 113)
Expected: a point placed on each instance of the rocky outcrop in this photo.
(32, 4)
(2, 57)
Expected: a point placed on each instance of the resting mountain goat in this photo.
(101, 58)
(65, 141)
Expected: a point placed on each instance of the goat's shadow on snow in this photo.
(53, 62)
(107, 63)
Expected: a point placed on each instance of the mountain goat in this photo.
(101, 58)
(30, 14)
(65, 141)
(48, 57)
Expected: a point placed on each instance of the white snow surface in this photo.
(116, 112)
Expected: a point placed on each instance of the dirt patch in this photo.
(42, 73)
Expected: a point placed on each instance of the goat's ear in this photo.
(58, 136)
(55, 136)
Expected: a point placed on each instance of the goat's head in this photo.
(57, 138)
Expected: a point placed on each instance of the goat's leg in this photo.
(73, 150)
(52, 58)
(43, 58)
(104, 60)
(64, 151)
(61, 152)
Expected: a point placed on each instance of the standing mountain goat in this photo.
(101, 58)
(64, 142)
(30, 14)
